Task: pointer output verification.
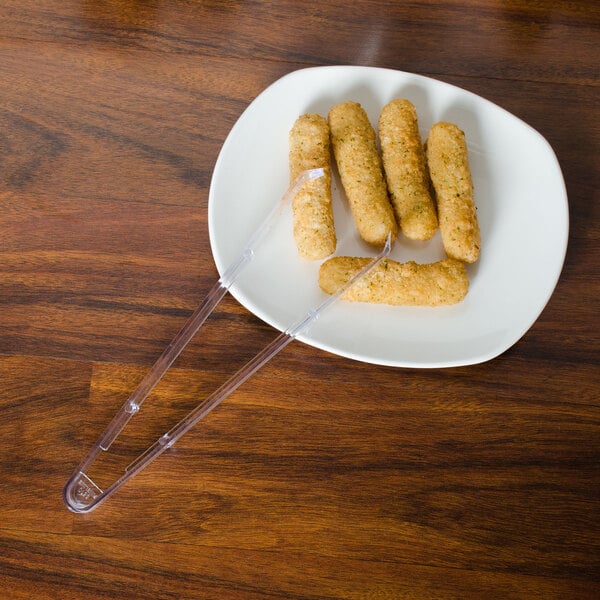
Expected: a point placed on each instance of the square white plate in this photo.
(519, 192)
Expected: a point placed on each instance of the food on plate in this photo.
(355, 150)
(405, 170)
(309, 148)
(399, 284)
(448, 163)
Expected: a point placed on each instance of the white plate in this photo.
(519, 192)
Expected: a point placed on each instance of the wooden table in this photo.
(320, 477)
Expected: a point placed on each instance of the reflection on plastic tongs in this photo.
(80, 493)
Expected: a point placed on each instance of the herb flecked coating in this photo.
(395, 283)
(448, 163)
(355, 150)
(405, 170)
(309, 148)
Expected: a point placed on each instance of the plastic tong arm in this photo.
(82, 495)
(80, 489)
(199, 316)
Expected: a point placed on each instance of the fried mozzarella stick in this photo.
(355, 150)
(405, 170)
(447, 159)
(399, 284)
(309, 148)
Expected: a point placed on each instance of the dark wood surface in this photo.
(320, 477)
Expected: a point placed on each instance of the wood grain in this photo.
(320, 477)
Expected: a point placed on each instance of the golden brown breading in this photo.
(405, 170)
(399, 284)
(314, 231)
(355, 150)
(448, 163)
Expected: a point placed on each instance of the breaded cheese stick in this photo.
(405, 170)
(309, 148)
(399, 284)
(355, 150)
(448, 163)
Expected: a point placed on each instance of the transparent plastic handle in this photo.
(82, 495)
(80, 489)
(199, 316)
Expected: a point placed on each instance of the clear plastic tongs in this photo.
(80, 493)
